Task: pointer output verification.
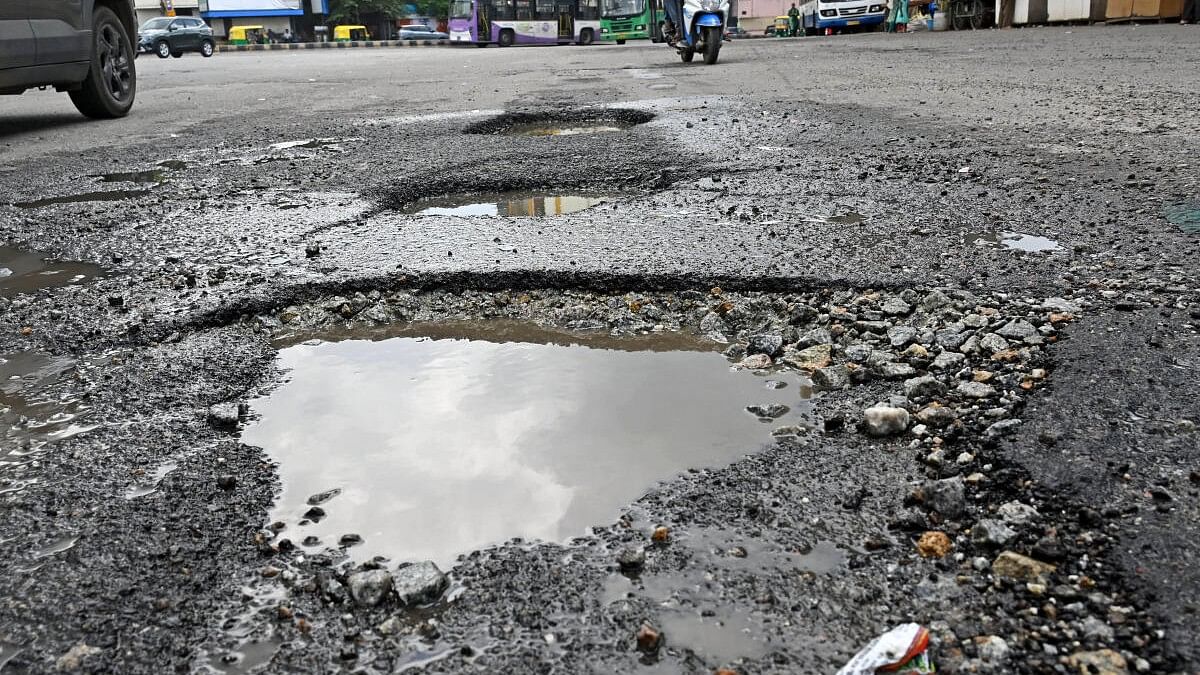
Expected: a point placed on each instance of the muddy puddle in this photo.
(433, 441)
(153, 176)
(31, 417)
(1184, 216)
(27, 271)
(1016, 241)
(507, 204)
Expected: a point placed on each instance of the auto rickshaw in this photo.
(350, 34)
(783, 26)
(246, 35)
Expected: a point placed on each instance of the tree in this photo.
(351, 11)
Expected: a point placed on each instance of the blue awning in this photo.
(240, 13)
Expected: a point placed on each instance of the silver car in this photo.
(418, 32)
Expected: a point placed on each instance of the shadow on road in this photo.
(24, 124)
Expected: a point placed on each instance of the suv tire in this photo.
(162, 49)
(206, 48)
(111, 82)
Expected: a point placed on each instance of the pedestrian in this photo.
(1191, 12)
(897, 21)
(794, 20)
(287, 35)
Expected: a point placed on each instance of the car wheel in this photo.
(177, 55)
(162, 49)
(206, 48)
(111, 82)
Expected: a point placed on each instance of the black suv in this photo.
(168, 36)
(84, 47)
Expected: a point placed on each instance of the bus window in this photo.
(545, 10)
(503, 9)
(524, 10)
(460, 9)
(590, 9)
(623, 7)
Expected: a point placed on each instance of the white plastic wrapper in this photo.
(902, 650)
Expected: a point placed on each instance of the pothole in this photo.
(519, 203)
(153, 176)
(97, 196)
(1185, 216)
(562, 123)
(1028, 243)
(428, 441)
(26, 271)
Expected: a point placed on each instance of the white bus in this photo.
(839, 16)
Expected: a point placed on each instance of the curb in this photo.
(366, 44)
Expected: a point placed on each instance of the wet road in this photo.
(887, 190)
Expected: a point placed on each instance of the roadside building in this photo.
(755, 15)
(275, 16)
(149, 9)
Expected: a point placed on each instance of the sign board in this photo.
(249, 5)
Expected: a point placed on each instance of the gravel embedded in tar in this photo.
(443, 446)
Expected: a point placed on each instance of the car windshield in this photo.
(460, 9)
(623, 7)
(156, 24)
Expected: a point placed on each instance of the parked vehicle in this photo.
(733, 32)
(167, 36)
(783, 27)
(703, 29)
(419, 32)
(817, 16)
(506, 23)
(246, 35)
(350, 34)
(83, 48)
(622, 20)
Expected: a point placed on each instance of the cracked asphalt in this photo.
(813, 181)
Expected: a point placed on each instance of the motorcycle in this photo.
(704, 22)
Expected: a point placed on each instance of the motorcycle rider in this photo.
(671, 32)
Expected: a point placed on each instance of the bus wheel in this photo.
(507, 38)
(586, 37)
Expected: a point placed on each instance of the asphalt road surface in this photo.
(993, 234)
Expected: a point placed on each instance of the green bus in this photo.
(622, 20)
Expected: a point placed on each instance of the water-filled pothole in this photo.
(97, 196)
(25, 272)
(1186, 216)
(510, 204)
(433, 441)
(562, 123)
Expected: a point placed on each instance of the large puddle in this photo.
(27, 271)
(509, 204)
(437, 440)
(1186, 216)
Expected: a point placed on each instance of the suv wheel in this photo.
(162, 49)
(111, 81)
(206, 48)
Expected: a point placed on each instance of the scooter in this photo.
(705, 23)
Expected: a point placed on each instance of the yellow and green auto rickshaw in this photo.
(350, 34)
(783, 26)
(246, 35)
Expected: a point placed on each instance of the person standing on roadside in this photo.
(1191, 12)
(794, 20)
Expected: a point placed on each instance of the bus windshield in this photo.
(460, 9)
(623, 7)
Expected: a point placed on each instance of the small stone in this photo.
(946, 496)
(816, 336)
(223, 415)
(1018, 329)
(898, 336)
(771, 411)
(1002, 428)
(926, 386)
(897, 371)
(992, 343)
(391, 626)
(882, 420)
(1097, 630)
(713, 327)
(915, 351)
(322, 497)
(1099, 662)
(648, 639)
(227, 482)
(936, 415)
(660, 535)
(1016, 566)
(831, 378)
(989, 532)
(350, 539)
(934, 544)
(631, 559)
(992, 648)
(370, 587)
(811, 358)
(764, 344)
(1059, 305)
(312, 250)
(756, 362)
(976, 390)
(948, 361)
(1016, 513)
(950, 338)
(73, 659)
(419, 582)
(895, 307)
